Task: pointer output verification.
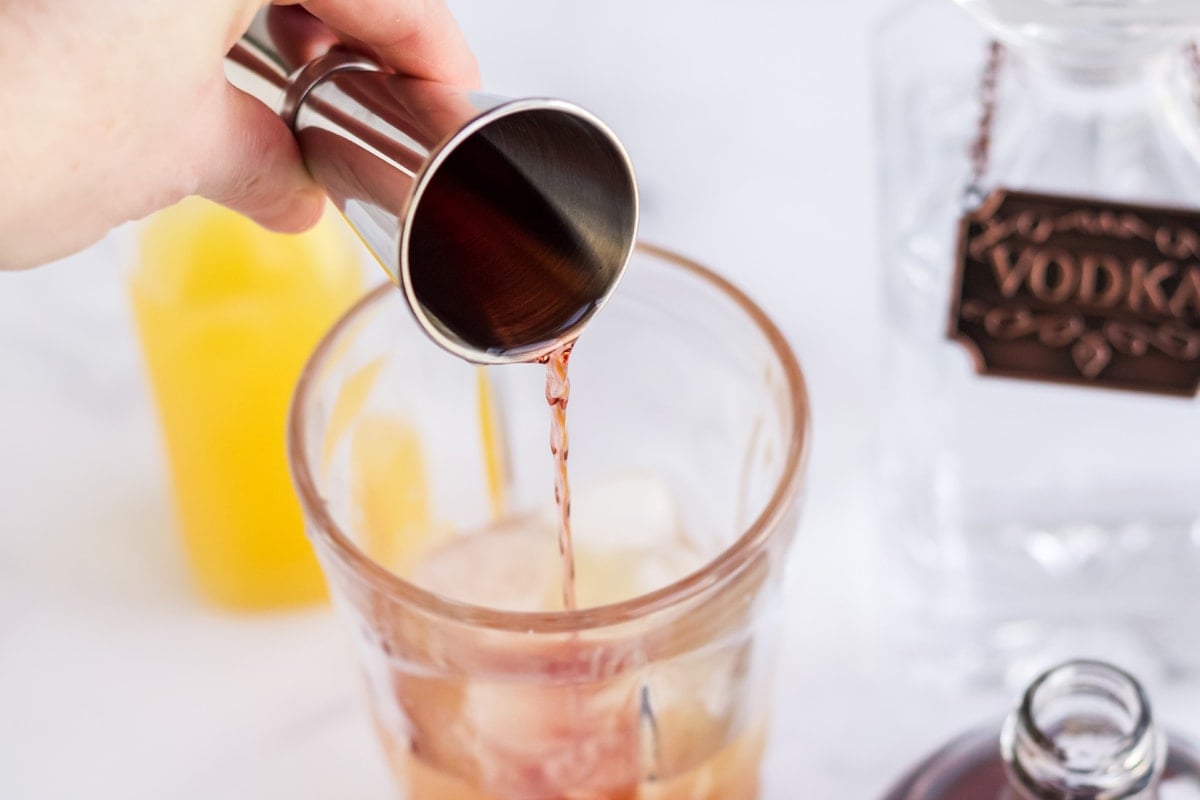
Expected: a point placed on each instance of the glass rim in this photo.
(728, 562)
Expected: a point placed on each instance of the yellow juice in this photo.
(228, 313)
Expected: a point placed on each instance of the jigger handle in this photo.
(506, 223)
(257, 65)
(356, 139)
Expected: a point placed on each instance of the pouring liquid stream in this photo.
(558, 393)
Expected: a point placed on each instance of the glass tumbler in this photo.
(428, 488)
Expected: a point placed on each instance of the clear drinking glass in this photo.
(427, 484)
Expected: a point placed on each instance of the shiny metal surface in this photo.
(507, 223)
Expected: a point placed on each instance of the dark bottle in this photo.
(1083, 731)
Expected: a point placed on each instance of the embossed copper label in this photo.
(1080, 291)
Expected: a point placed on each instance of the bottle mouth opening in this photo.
(1083, 729)
(1088, 713)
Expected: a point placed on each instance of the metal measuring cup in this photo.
(507, 223)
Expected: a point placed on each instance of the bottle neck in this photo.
(1083, 67)
(1135, 134)
(1090, 43)
(1084, 731)
(1089, 87)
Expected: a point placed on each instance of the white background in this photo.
(749, 123)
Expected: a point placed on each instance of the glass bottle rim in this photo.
(730, 561)
(1042, 767)
(1027, 715)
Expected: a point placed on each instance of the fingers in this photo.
(299, 35)
(416, 37)
(252, 165)
(251, 162)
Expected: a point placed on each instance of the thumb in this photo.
(252, 165)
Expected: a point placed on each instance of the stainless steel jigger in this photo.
(507, 223)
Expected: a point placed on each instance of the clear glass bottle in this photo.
(1083, 731)
(1033, 520)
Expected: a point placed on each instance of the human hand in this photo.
(109, 111)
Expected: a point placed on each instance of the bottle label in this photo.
(1080, 291)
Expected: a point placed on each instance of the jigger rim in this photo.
(421, 182)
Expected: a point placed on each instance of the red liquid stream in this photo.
(558, 392)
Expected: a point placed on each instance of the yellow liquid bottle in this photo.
(227, 314)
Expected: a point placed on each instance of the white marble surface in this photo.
(750, 126)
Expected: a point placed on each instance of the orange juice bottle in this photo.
(227, 314)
